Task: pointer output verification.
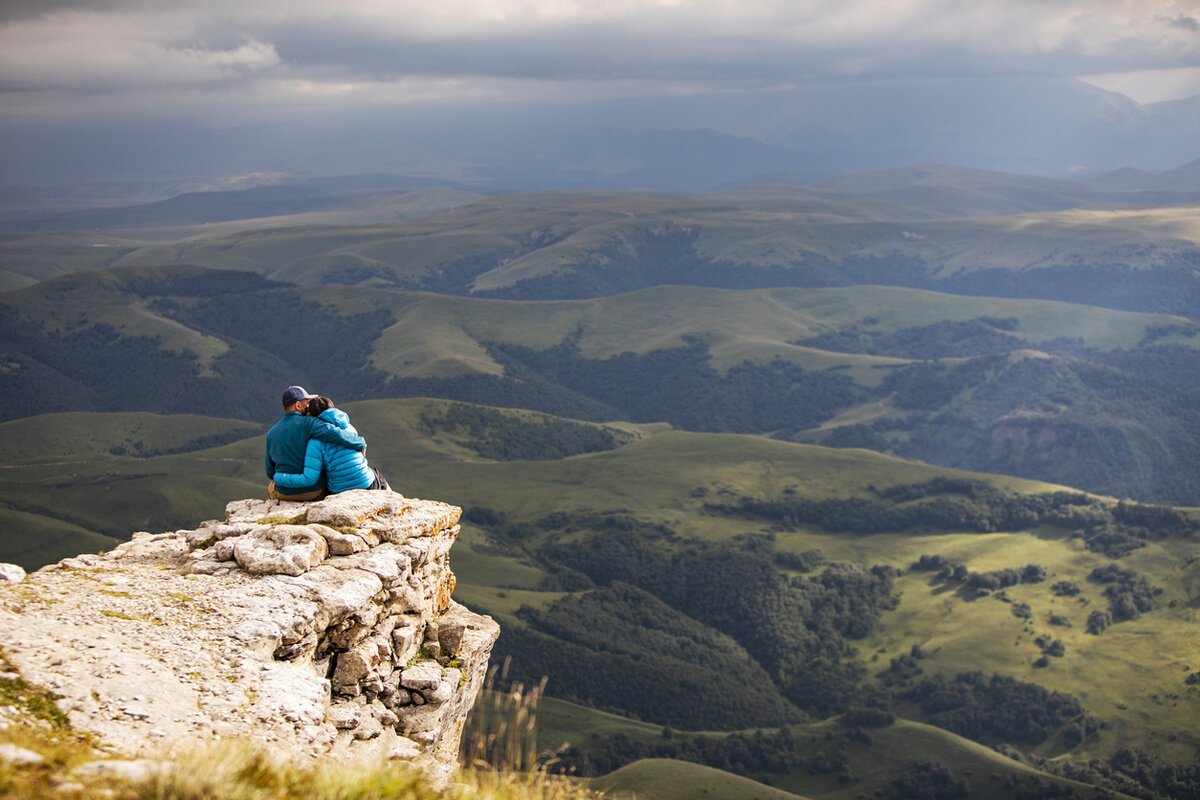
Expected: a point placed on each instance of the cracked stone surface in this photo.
(293, 625)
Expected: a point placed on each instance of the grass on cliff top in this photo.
(220, 770)
(238, 771)
(243, 773)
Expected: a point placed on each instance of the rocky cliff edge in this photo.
(310, 629)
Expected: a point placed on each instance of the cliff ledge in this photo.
(315, 629)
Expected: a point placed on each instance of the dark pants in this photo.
(380, 482)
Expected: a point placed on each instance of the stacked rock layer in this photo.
(321, 628)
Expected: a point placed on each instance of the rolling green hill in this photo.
(992, 236)
(1100, 399)
(808, 470)
(662, 537)
(667, 779)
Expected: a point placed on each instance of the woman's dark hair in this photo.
(318, 405)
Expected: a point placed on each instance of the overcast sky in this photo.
(237, 60)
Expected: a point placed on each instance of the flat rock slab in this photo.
(165, 640)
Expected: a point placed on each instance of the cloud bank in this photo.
(242, 59)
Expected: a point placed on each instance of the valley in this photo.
(884, 484)
(670, 502)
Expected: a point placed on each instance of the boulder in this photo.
(280, 549)
(11, 573)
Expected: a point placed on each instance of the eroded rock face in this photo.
(319, 628)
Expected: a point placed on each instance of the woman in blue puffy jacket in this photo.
(344, 468)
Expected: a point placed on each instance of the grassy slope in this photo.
(436, 335)
(667, 779)
(1138, 665)
(32, 540)
(537, 234)
(32, 257)
(895, 748)
(77, 435)
(62, 492)
(96, 298)
(443, 335)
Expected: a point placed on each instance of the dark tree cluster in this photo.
(1075, 419)
(680, 386)
(798, 629)
(902, 670)
(965, 505)
(199, 442)
(1136, 773)
(1098, 622)
(946, 570)
(334, 348)
(943, 339)
(652, 674)
(927, 780)
(1051, 646)
(738, 753)
(163, 284)
(1011, 576)
(1129, 595)
(502, 436)
(800, 562)
(535, 395)
(995, 708)
(981, 584)
(859, 716)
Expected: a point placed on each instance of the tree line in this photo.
(1113, 529)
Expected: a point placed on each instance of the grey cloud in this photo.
(17, 10)
(606, 53)
(1184, 22)
(770, 45)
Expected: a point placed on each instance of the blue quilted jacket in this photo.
(344, 468)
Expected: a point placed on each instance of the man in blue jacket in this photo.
(288, 439)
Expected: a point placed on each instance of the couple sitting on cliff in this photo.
(314, 451)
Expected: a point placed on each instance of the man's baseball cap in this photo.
(294, 394)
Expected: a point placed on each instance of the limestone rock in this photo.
(343, 717)
(286, 623)
(280, 549)
(19, 756)
(11, 573)
(137, 770)
(450, 636)
(392, 516)
(422, 675)
(342, 543)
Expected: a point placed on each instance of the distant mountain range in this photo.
(1057, 128)
(914, 191)
(1123, 240)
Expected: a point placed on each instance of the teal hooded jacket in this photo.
(344, 467)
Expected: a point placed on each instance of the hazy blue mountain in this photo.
(1053, 128)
